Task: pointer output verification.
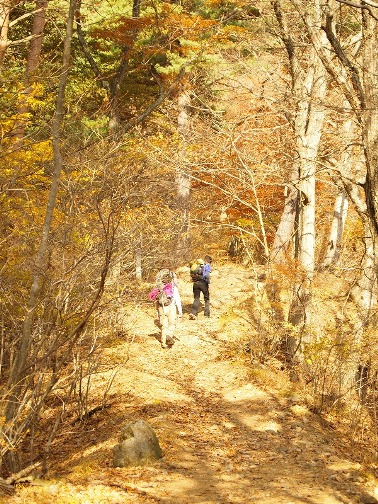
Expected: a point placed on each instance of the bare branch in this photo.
(285, 37)
(158, 101)
(24, 16)
(367, 6)
(22, 41)
(87, 52)
(344, 60)
(359, 6)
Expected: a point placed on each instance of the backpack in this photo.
(164, 276)
(162, 293)
(196, 269)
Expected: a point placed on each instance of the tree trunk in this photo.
(35, 47)
(182, 177)
(309, 86)
(308, 127)
(286, 228)
(34, 57)
(340, 211)
(17, 373)
(5, 9)
(370, 118)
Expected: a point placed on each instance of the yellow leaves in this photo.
(27, 164)
(80, 238)
(34, 96)
(245, 223)
(24, 103)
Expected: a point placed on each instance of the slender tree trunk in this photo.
(34, 57)
(182, 177)
(35, 47)
(17, 373)
(5, 8)
(370, 119)
(286, 228)
(340, 211)
(308, 127)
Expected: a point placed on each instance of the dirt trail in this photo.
(225, 439)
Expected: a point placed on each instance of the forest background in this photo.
(133, 134)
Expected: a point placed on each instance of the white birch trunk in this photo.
(340, 212)
(182, 178)
(285, 231)
(308, 127)
(310, 89)
(368, 280)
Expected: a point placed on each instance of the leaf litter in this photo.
(227, 437)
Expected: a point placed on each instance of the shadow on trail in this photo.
(230, 450)
(236, 446)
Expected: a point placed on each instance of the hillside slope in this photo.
(226, 439)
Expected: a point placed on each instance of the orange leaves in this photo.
(188, 26)
(123, 30)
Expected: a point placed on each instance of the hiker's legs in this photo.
(198, 287)
(167, 315)
(163, 318)
(196, 293)
(206, 297)
(171, 323)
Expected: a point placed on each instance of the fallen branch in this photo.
(6, 488)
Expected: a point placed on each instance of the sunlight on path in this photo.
(225, 439)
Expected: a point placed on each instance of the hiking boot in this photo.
(192, 316)
(207, 315)
(170, 341)
(163, 345)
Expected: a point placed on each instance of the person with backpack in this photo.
(167, 300)
(176, 294)
(200, 271)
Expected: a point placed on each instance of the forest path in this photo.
(225, 439)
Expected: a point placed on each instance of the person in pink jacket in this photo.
(167, 302)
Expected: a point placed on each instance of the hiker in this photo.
(200, 274)
(176, 293)
(167, 299)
